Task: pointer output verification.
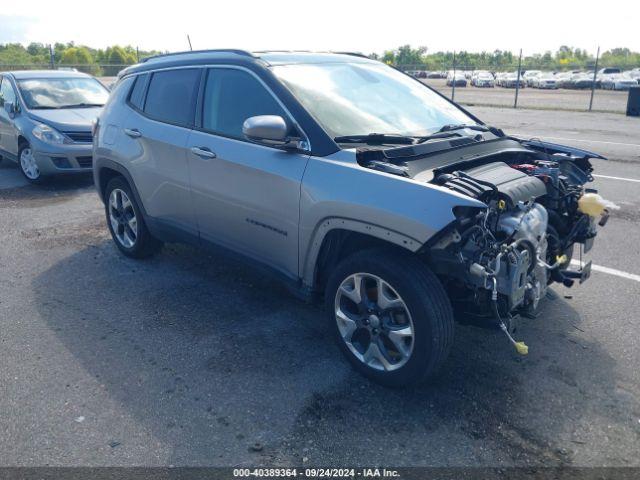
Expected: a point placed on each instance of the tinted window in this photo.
(7, 94)
(136, 98)
(171, 96)
(232, 96)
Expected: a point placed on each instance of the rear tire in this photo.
(400, 332)
(126, 223)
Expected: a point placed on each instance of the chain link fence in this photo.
(542, 86)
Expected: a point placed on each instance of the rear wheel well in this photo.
(337, 245)
(106, 175)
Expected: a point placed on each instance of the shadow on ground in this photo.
(214, 358)
(16, 191)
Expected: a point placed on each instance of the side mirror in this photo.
(269, 130)
(10, 108)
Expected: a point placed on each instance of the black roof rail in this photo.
(353, 54)
(218, 50)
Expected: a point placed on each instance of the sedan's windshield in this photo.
(359, 99)
(46, 93)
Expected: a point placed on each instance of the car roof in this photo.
(29, 74)
(243, 57)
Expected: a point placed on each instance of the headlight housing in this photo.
(48, 134)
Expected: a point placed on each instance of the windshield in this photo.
(358, 99)
(41, 93)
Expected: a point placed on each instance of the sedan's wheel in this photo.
(374, 322)
(125, 221)
(392, 317)
(28, 165)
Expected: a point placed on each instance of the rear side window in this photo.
(171, 96)
(230, 97)
(136, 98)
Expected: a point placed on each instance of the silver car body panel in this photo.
(339, 193)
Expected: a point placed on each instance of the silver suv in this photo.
(351, 181)
(46, 119)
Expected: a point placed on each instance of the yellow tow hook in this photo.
(521, 347)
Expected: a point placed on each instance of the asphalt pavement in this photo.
(194, 359)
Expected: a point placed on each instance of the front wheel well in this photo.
(337, 245)
(22, 141)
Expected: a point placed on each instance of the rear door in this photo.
(246, 196)
(158, 129)
(8, 137)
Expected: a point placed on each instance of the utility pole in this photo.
(453, 83)
(515, 101)
(593, 82)
(51, 57)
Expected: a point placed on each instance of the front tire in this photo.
(28, 165)
(126, 223)
(392, 317)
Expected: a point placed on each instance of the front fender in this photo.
(339, 193)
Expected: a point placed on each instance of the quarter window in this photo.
(136, 98)
(230, 97)
(171, 96)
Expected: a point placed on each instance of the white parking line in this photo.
(528, 136)
(610, 271)
(618, 178)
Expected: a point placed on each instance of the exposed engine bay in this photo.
(498, 261)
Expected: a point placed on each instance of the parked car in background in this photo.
(582, 80)
(510, 80)
(458, 78)
(529, 75)
(46, 120)
(635, 74)
(618, 82)
(275, 156)
(544, 80)
(482, 79)
(568, 79)
(604, 73)
(437, 74)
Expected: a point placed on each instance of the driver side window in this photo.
(230, 97)
(7, 93)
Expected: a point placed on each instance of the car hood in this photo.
(67, 119)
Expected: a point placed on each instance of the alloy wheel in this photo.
(28, 164)
(122, 216)
(374, 322)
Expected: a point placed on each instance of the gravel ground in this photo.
(193, 359)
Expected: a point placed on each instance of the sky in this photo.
(339, 25)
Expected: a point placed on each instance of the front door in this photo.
(246, 196)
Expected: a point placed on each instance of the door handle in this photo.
(203, 152)
(133, 132)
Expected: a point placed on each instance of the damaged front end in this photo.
(497, 262)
